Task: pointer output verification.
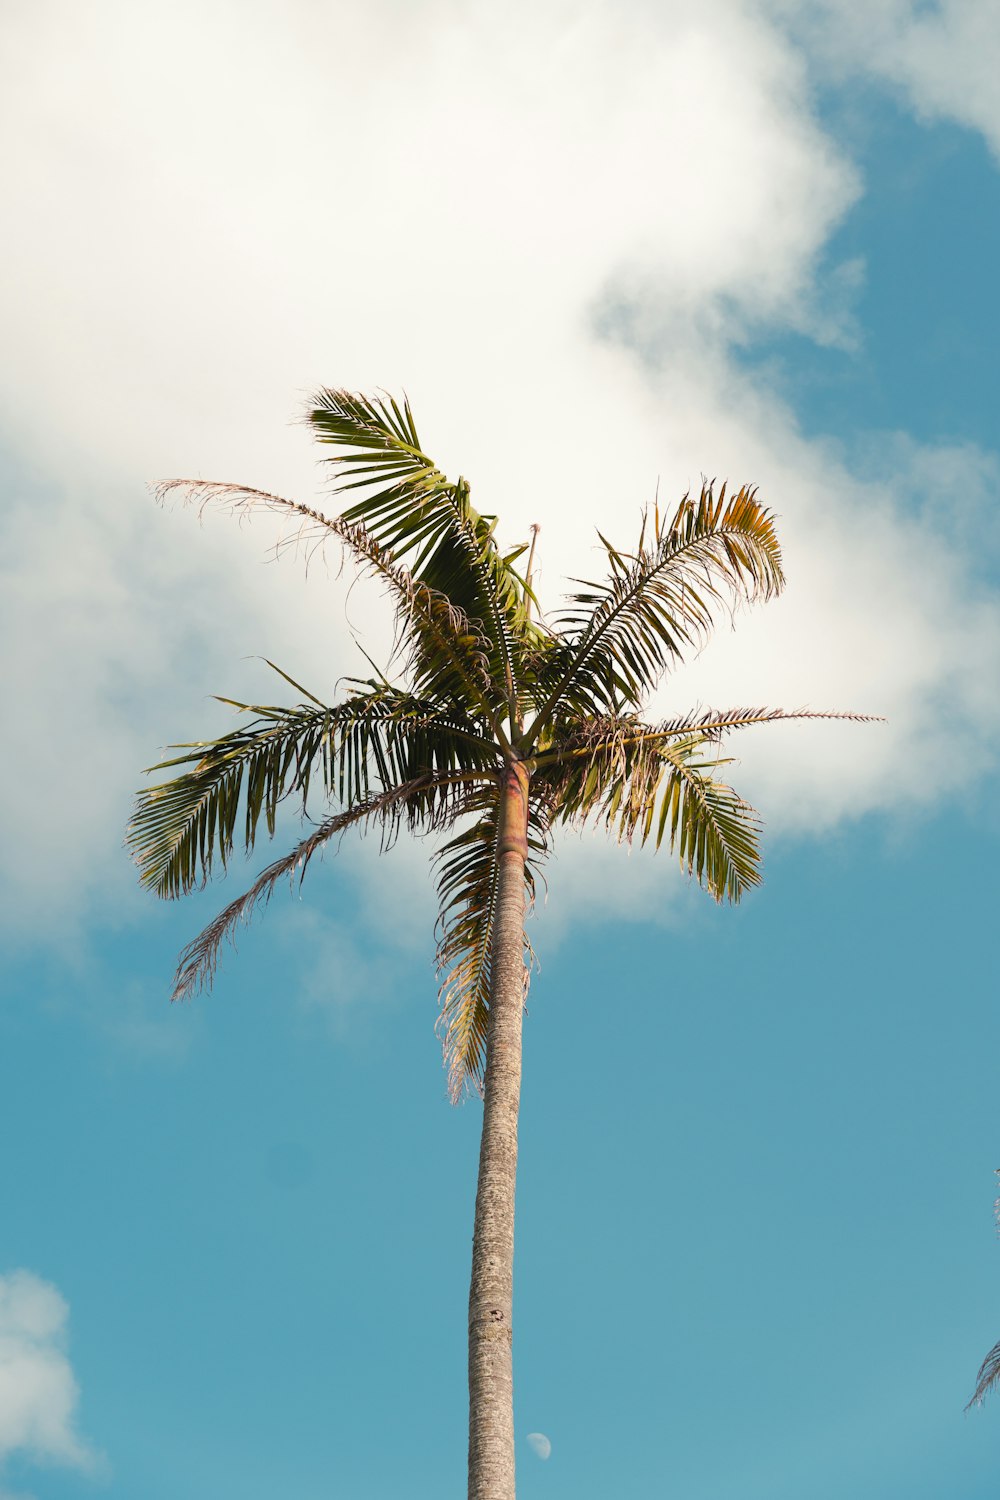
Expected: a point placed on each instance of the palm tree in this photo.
(988, 1377)
(494, 727)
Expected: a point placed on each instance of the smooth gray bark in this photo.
(491, 1389)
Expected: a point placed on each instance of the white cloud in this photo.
(942, 57)
(550, 223)
(38, 1392)
(885, 612)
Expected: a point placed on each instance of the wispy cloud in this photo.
(942, 58)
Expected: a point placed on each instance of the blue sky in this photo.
(756, 1254)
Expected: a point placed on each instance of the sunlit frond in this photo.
(619, 636)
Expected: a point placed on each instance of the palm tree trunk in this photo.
(491, 1391)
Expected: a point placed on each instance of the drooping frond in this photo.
(468, 870)
(619, 636)
(424, 803)
(713, 830)
(415, 512)
(179, 827)
(467, 889)
(642, 786)
(988, 1378)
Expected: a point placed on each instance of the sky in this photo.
(608, 251)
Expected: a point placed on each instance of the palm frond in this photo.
(580, 737)
(424, 803)
(622, 634)
(379, 450)
(988, 1377)
(242, 500)
(467, 889)
(414, 512)
(181, 826)
(446, 649)
(713, 830)
(468, 868)
(642, 787)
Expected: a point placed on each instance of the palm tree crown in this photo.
(480, 686)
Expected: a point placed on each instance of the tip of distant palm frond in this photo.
(987, 1379)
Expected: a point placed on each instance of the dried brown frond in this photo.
(418, 803)
(444, 648)
(988, 1377)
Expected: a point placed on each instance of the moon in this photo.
(540, 1443)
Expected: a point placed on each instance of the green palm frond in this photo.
(414, 512)
(621, 635)
(468, 869)
(647, 788)
(179, 827)
(380, 451)
(424, 804)
(713, 830)
(988, 1378)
